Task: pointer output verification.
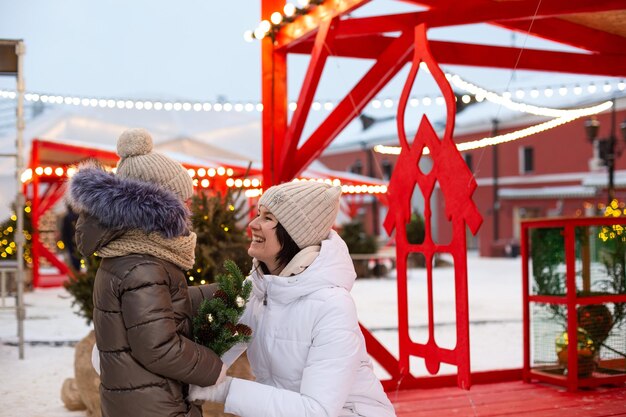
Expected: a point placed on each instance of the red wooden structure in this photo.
(47, 188)
(457, 186)
(49, 165)
(579, 293)
(324, 29)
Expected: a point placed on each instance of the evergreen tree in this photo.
(216, 220)
(80, 286)
(356, 239)
(415, 229)
(8, 248)
(216, 325)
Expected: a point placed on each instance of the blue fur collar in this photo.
(123, 203)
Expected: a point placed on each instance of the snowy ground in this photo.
(31, 387)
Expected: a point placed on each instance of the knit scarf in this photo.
(178, 250)
(301, 261)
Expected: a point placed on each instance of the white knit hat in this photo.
(137, 161)
(307, 210)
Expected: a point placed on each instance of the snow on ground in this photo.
(495, 312)
(31, 387)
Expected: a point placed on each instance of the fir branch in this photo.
(217, 324)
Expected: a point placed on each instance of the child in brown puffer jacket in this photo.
(138, 223)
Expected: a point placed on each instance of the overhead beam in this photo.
(528, 59)
(537, 9)
(613, 65)
(386, 67)
(569, 33)
(470, 14)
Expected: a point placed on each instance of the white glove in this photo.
(214, 393)
(95, 359)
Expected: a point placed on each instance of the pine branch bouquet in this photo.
(216, 325)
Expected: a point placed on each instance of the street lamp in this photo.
(606, 146)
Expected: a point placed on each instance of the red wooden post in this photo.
(572, 319)
(274, 99)
(34, 207)
(525, 303)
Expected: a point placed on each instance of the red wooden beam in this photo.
(50, 257)
(82, 152)
(569, 33)
(382, 355)
(388, 64)
(522, 8)
(323, 41)
(528, 59)
(487, 56)
(351, 46)
(473, 12)
(54, 193)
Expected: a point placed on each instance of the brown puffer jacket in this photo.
(142, 318)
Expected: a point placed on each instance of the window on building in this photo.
(387, 168)
(527, 160)
(357, 167)
(469, 161)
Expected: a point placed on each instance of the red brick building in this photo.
(547, 174)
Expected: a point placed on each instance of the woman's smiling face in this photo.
(265, 245)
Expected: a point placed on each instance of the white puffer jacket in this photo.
(307, 352)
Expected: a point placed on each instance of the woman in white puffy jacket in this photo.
(307, 351)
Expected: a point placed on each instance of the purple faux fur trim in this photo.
(123, 203)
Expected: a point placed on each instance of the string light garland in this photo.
(278, 19)
(203, 177)
(505, 99)
(512, 136)
(345, 189)
(476, 93)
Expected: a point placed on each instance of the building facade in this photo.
(557, 172)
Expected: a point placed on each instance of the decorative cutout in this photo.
(457, 186)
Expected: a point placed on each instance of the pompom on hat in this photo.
(137, 161)
(307, 210)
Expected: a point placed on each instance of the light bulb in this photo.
(276, 18)
(289, 9)
(265, 26)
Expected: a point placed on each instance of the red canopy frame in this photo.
(326, 32)
(46, 190)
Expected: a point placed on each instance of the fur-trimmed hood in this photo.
(123, 203)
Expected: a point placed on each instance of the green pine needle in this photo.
(216, 324)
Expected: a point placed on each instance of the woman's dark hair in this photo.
(288, 248)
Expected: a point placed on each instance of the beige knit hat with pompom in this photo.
(306, 209)
(137, 161)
